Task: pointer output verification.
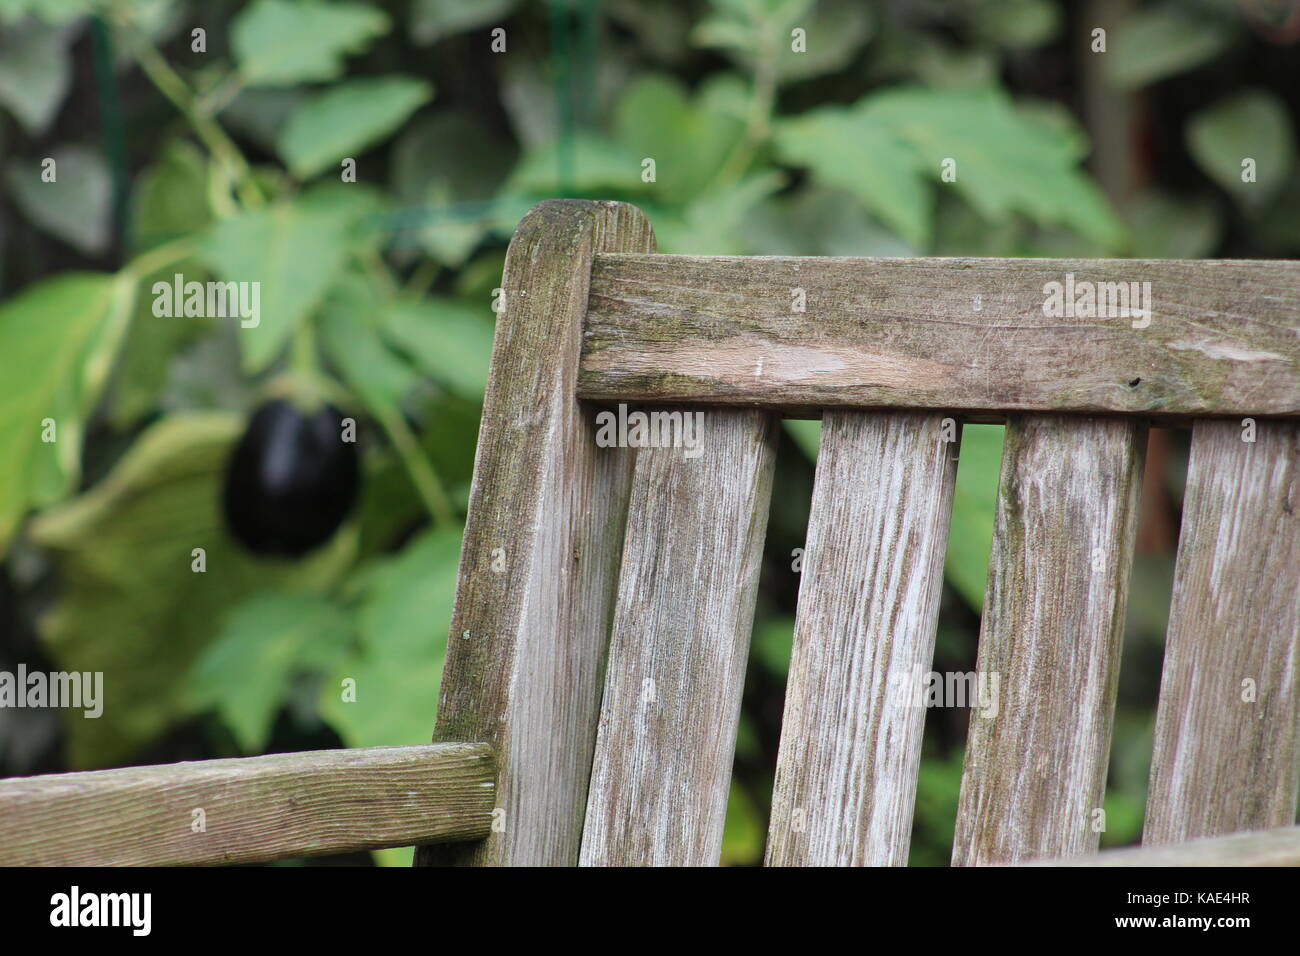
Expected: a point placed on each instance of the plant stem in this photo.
(423, 475)
(422, 279)
(758, 125)
(172, 86)
(220, 96)
(373, 262)
(164, 255)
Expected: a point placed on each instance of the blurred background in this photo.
(776, 126)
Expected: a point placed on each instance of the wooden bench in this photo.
(598, 646)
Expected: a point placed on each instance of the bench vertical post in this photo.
(1227, 741)
(868, 612)
(679, 645)
(526, 651)
(1053, 623)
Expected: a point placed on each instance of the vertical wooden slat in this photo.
(1051, 634)
(1227, 743)
(686, 595)
(868, 609)
(527, 641)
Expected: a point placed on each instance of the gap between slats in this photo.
(864, 636)
(689, 580)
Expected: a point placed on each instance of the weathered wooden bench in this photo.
(598, 646)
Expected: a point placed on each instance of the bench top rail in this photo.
(1161, 338)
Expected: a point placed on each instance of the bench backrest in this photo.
(589, 708)
(606, 594)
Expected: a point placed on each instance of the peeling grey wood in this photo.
(1280, 847)
(967, 334)
(527, 644)
(1052, 629)
(686, 595)
(1227, 742)
(254, 808)
(864, 637)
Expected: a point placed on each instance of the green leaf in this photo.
(937, 793)
(758, 34)
(54, 12)
(773, 644)
(1124, 814)
(282, 43)
(850, 149)
(660, 27)
(171, 197)
(447, 339)
(431, 20)
(425, 171)
(402, 617)
(145, 360)
(688, 142)
(817, 221)
(806, 434)
(349, 335)
(295, 250)
(1164, 226)
(171, 201)
(261, 113)
(76, 207)
(1007, 161)
(595, 166)
(1018, 24)
(933, 61)
(974, 505)
(1252, 124)
(836, 30)
(1156, 42)
(743, 831)
(35, 72)
(712, 224)
(347, 119)
(247, 671)
(131, 605)
(57, 342)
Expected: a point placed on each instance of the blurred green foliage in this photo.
(377, 294)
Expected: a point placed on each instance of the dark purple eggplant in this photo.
(290, 481)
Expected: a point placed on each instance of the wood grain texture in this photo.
(1280, 847)
(255, 808)
(968, 334)
(1051, 634)
(1223, 763)
(677, 657)
(864, 636)
(525, 657)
